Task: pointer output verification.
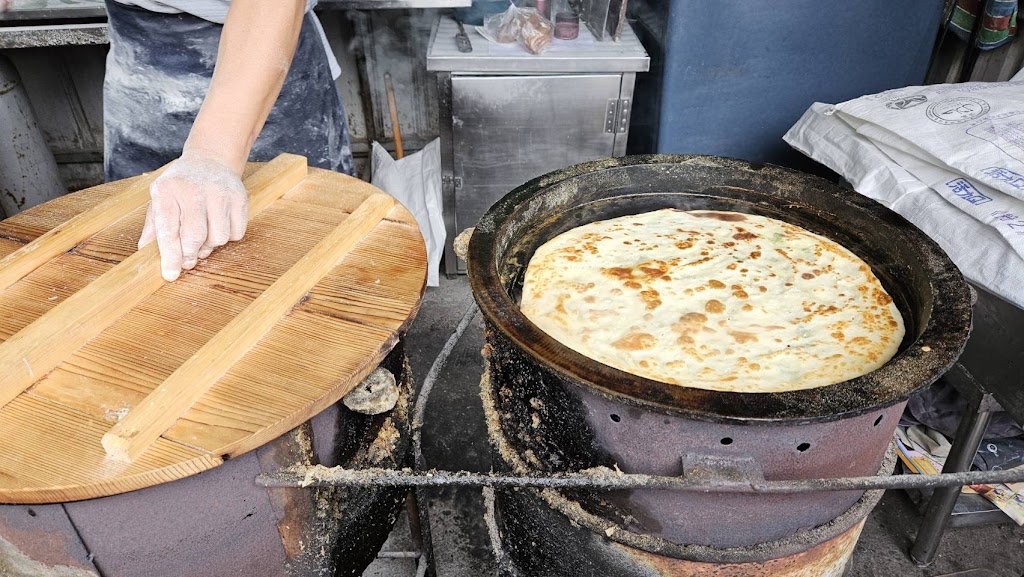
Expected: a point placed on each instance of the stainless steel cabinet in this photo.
(508, 118)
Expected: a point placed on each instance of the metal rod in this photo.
(398, 555)
(947, 15)
(972, 52)
(609, 480)
(421, 520)
(968, 438)
(420, 408)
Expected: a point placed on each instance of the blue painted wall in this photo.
(736, 74)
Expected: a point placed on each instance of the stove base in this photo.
(220, 522)
(533, 539)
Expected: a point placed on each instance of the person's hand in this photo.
(198, 204)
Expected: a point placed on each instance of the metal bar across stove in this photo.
(609, 481)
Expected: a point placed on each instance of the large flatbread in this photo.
(713, 300)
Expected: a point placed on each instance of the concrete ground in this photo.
(454, 438)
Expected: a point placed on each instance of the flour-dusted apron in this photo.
(158, 72)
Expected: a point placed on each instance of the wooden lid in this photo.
(308, 359)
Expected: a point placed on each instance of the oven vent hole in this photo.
(615, 417)
(726, 440)
(878, 420)
(803, 447)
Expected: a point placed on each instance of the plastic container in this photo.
(544, 7)
(567, 26)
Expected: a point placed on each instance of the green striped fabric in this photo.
(998, 25)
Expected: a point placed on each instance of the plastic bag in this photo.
(501, 28)
(525, 25)
(974, 129)
(979, 250)
(415, 181)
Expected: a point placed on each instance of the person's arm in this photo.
(199, 202)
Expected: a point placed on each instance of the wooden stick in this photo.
(69, 234)
(38, 348)
(157, 413)
(396, 129)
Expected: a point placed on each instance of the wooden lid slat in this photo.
(38, 348)
(39, 429)
(308, 360)
(70, 233)
(130, 437)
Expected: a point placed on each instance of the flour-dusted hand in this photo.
(198, 204)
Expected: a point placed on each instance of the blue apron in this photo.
(158, 71)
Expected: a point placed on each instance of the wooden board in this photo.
(51, 434)
(38, 348)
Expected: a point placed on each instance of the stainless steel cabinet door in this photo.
(507, 130)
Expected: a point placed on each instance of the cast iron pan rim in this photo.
(945, 334)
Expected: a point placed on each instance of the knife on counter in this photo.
(462, 39)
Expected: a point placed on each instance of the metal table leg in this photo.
(969, 435)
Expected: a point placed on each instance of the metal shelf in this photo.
(34, 23)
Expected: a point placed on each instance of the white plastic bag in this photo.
(981, 253)
(975, 129)
(1001, 212)
(415, 181)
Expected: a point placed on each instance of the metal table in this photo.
(988, 376)
(33, 23)
(507, 116)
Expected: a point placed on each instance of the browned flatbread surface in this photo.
(713, 300)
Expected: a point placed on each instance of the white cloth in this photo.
(927, 440)
(217, 11)
(979, 250)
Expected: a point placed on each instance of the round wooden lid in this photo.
(322, 344)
